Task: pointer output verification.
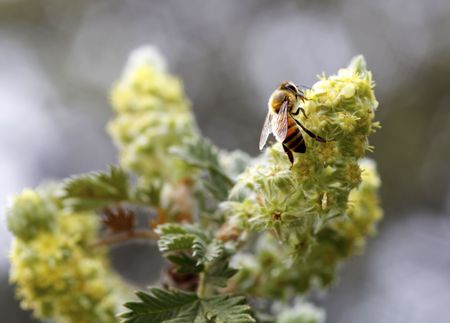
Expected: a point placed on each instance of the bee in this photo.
(285, 103)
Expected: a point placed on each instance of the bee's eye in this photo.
(291, 87)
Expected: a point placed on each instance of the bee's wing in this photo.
(266, 130)
(280, 123)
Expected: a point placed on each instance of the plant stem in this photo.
(201, 285)
(126, 236)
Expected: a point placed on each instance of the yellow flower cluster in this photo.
(283, 269)
(313, 208)
(57, 273)
(363, 211)
(341, 108)
(153, 115)
(32, 214)
(318, 185)
(301, 312)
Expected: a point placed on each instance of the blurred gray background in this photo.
(58, 60)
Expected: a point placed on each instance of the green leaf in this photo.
(185, 264)
(174, 237)
(170, 228)
(200, 153)
(149, 195)
(182, 307)
(218, 185)
(175, 242)
(193, 251)
(226, 308)
(161, 306)
(219, 272)
(96, 190)
(206, 252)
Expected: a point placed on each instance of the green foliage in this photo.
(176, 242)
(184, 263)
(193, 251)
(182, 307)
(206, 252)
(219, 272)
(201, 154)
(175, 237)
(96, 190)
(149, 195)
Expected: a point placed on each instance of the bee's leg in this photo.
(290, 155)
(310, 133)
(298, 111)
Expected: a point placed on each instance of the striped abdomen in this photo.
(294, 139)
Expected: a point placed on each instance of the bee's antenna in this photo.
(301, 86)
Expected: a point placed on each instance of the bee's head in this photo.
(292, 88)
(288, 86)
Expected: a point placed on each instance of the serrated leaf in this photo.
(200, 153)
(182, 307)
(189, 249)
(218, 185)
(219, 272)
(170, 228)
(185, 264)
(206, 252)
(96, 190)
(225, 308)
(174, 237)
(149, 195)
(175, 242)
(161, 306)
